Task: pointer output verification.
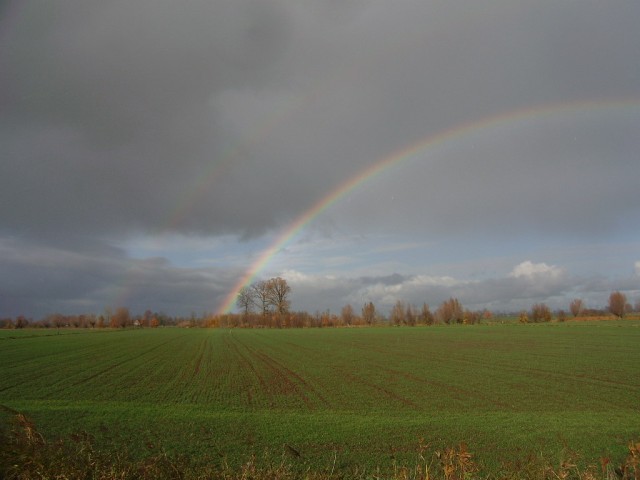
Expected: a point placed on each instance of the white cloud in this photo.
(637, 268)
(530, 269)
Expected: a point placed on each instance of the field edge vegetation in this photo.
(26, 454)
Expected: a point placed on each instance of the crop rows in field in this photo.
(360, 390)
(425, 370)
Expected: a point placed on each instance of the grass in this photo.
(336, 399)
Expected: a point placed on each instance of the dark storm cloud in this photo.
(107, 120)
(111, 109)
(236, 116)
(38, 279)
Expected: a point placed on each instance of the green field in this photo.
(338, 397)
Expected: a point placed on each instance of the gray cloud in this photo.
(123, 119)
(39, 279)
(529, 283)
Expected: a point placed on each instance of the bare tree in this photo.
(450, 311)
(278, 293)
(469, 317)
(21, 321)
(397, 316)
(57, 320)
(261, 290)
(410, 315)
(617, 303)
(576, 307)
(369, 313)
(347, 314)
(246, 299)
(426, 316)
(121, 318)
(540, 313)
(562, 316)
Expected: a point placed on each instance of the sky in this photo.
(159, 154)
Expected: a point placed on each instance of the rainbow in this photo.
(399, 156)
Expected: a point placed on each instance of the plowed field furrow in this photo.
(292, 380)
(311, 368)
(125, 359)
(547, 373)
(246, 383)
(460, 394)
(276, 382)
(378, 389)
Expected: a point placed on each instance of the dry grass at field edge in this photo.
(26, 454)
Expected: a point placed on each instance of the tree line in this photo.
(266, 304)
(111, 318)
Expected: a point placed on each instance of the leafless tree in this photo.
(21, 321)
(278, 294)
(470, 317)
(576, 307)
(57, 320)
(261, 290)
(246, 299)
(540, 313)
(347, 314)
(369, 313)
(450, 311)
(121, 318)
(617, 303)
(410, 316)
(397, 316)
(426, 316)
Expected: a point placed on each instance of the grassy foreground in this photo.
(360, 402)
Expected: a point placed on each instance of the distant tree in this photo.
(562, 315)
(617, 303)
(347, 315)
(540, 313)
(450, 311)
(145, 321)
(261, 291)
(470, 317)
(576, 307)
(523, 318)
(410, 316)
(246, 299)
(278, 294)
(57, 320)
(397, 316)
(368, 313)
(21, 321)
(153, 323)
(121, 318)
(426, 316)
